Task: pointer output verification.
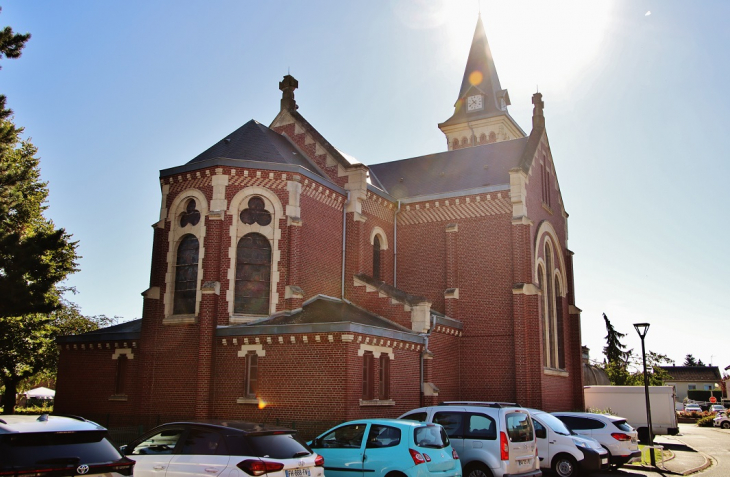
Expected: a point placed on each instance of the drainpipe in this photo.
(344, 237)
(395, 247)
(425, 337)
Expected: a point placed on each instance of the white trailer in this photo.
(629, 402)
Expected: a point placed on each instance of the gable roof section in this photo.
(451, 171)
(693, 373)
(255, 142)
(129, 330)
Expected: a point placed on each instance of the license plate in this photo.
(523, 461)
(298, 473)
(604, 460)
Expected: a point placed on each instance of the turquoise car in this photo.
(387, 448)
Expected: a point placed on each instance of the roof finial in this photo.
(287, 86)
(538, 117)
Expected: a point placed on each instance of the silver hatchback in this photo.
(491, 438)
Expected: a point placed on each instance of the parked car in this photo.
(491, 438)
(618, 437)
(721, 420)
(563, 451)
(225, 448)
(380, 447)
(58, 446)
(717, 408)
(692, 408)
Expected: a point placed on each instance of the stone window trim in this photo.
(552, 284)
(555, 372)
(244, 351)
(376, 350)
(271, 231)
(123, 351)
(378, 231)
(376, 402)
(175, 235)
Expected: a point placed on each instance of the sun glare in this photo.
(533, 41)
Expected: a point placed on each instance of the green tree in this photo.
(689, 360)
(34, 255)
(29, 354)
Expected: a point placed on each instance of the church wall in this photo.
(320, 265)
(89, 384)
(481, 258)
(555, 395)
(444, 367)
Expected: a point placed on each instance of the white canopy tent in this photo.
(41, 393)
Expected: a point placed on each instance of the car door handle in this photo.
(158, 467)
(551, 442)
(211, 470)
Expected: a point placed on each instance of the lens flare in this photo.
(475, 78)
(262, 403)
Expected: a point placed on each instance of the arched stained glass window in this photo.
(560, 325)
(186, 276)
(376, 258)
(253, 275)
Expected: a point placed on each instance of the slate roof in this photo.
(332, 310)
(129, 330)
(693, 373)
(451, 171)
(255, 142)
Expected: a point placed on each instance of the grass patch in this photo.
(646, 458)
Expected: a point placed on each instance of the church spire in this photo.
(481, 74)
(480, 113)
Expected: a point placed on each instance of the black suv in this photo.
(57, 446)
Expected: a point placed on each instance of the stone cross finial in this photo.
(538, 118)
(287, 86)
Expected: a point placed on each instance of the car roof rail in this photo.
(497, 404)
(70, 416)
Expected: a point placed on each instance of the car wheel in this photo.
(565, 466)
(725, 425)
(477, 470)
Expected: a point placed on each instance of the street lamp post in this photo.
(642, 329)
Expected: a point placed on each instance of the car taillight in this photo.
(259, 467)
(454, 454)
(417, 457)
(620, 437)
(319, 461)
(503, 446)
(427, 457)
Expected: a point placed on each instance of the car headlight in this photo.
(580, 443)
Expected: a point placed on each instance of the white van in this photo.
(491, 438)
(564, 452)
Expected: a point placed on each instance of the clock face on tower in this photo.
(474, 103)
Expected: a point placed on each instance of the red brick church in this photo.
(287, 275)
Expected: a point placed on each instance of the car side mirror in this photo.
(316, 443)
(541, 433)
(123, 449)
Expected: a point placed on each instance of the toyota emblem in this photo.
(82, 469)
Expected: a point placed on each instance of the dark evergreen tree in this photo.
(689, 360)
(34, 255)
(614, 349)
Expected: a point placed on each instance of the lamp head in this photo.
(642, 329)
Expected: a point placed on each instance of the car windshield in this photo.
(431, 436)
(555, 424)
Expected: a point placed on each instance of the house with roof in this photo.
(690, 378)
(291, 282)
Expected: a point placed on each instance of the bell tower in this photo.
(480, 113)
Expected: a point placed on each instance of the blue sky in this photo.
(636, 106)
